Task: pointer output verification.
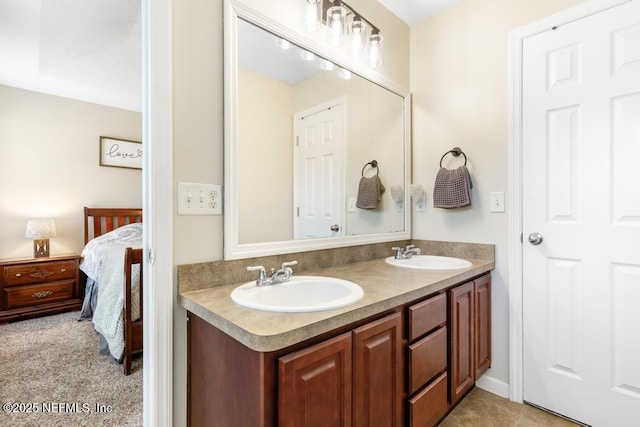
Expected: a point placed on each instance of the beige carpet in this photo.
(51, 366)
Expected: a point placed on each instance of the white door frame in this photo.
(157, 205)
(516, 38)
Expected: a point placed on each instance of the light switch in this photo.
(199, 199)
(496, 202)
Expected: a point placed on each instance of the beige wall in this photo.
(198, 131)
(49, 166)
(265, 138)
(459, 82)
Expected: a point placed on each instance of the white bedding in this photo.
(103, 261)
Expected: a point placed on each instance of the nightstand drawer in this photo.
(39, 272)
(29, 295)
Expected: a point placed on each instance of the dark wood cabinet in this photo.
(378, 372)
(470, 337)
(482, 325)
(409, 367)
(314, 385)
(353, 379)
(33, 287)
(462, 340)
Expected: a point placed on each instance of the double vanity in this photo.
(405, 351)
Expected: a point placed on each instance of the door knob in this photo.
(335, 227)
(535, 238)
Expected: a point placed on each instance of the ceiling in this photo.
(414, 11)
(91, 50)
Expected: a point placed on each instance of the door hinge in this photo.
(151, 256)
(521, 241)
(297, 141)
(298, 211)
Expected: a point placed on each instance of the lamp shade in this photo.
(40, 229)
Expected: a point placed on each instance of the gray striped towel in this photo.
(369, 192)
(452, 188)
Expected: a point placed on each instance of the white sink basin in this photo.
(299, 294)
(430, 262)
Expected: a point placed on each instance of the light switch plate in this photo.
(496, 201)
(199, 199)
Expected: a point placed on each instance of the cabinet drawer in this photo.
(427, 358)
(430, 405)
(427, 315)
(39, 272)
(29, 295)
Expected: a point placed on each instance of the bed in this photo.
(111, 262)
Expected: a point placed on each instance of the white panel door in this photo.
(318, 170)
(581, 193)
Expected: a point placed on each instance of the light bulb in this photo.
(375, 50)
(307, 56)
(344, 74)
(311, 17)
(327, 65)
(283, 44)
(335, 21)
(357, 38)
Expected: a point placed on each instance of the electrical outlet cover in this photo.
(199, 199)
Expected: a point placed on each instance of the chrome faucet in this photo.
(406, 253)
(277, 276)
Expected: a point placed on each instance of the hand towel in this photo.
(452, 188)
(369, 192)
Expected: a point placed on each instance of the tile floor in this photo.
(483, 409)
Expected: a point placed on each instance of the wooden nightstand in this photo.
(31, 287)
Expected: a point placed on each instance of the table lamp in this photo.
(40, 230)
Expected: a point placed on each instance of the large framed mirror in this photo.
(317, 145)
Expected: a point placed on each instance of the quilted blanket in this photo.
(103, 261)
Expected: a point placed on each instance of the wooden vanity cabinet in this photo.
(353, 379)
(470, 335)
(409, 367)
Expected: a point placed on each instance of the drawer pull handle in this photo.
(62, 270)
(41, 294)
(18, 274)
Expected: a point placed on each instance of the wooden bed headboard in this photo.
(98, 221)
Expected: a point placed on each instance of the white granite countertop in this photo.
(385, 287)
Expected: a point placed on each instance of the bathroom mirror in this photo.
(303, 124)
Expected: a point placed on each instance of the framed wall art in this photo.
(120, 153)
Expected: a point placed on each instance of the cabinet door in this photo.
(462, 307)
(483, 325)
(378, 373)
(315, 385)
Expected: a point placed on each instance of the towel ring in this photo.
(374, 164)
(455, 151)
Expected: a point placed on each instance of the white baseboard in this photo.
(493, 385)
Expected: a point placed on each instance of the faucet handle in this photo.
(410, 247)
(262, 276)
(398, 250)
(288, 263)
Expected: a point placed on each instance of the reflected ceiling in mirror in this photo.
(299, 148)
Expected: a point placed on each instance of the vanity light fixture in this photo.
(337, 23)
(313, 16)
(307, 56)
(327, 65)
(344, 74)
(345, 24)
(283, 44)
(40, 230)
